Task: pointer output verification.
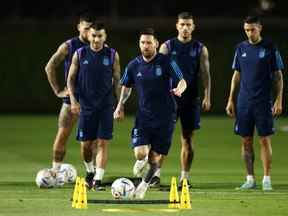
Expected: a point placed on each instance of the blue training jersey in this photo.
(73, 44)
(257, 64)
(187, 56)
(94, 78)
(152, 81)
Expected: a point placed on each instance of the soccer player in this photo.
(257, 66)
(93, 71)
(193, 60)
(66, 118)
(150, 74)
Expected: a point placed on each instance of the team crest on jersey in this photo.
(262, 53)
(173, 52)
(192, 53)
(106, 61)
(158, 71)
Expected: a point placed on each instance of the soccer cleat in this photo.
(98, 186)
(266, 186)
(248, 185)
(155, 182)
(140, 191)
(181, 183)
(140, 168)
(89, 180)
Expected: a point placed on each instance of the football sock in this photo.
(184, 174)
(56, 165)
(250, 178)
(157, 173)
(89, 166)
(266, 179)
(151, 171)
(99, 174)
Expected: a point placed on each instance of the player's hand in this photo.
(177, 91)
(119, 113)
(63, 93)
(206, 104)
(230, 109)
(75, 108)
(277, 108)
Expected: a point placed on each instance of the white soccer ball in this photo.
(69, 172)
(122, 188)
(45, 178)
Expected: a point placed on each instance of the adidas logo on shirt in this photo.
(85, 62)
(139, 74)
(244, 55)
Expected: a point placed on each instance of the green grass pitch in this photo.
(26, 147)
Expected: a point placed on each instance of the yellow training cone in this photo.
(173, 196)
(82, 196)
(76, 192)
(185, 196)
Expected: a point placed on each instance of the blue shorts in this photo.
(254, 115)
(66, 100)
(189, 115)
(160, 138)
(95, 125)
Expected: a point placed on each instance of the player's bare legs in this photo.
(154, 160)
(187, 153)
(248, 156)
(266, 156)
(66, 121)
(87, 153)
(101, 160)
(141, 154)
(141, 165)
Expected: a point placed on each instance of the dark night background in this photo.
(32, 31)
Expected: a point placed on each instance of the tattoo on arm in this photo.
(278, 82)
(116, 76)
(125, 94)
(72, 77)
(52, 65)
(205, 71)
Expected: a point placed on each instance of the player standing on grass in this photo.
(93, 72)
(66, 119)
(150, 74)
(193, 60)
(257, 66)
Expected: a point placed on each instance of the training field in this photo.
(26, 147)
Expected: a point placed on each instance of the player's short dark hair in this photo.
(148, 31)
(97, 25)
(252, 19)
(185, 15)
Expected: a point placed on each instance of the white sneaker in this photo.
(266, 186)
(248, 185)
(140, 168)
(140, 191)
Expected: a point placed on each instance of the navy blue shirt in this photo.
(257, 64)
(94, 78)
(152, 80)
(73, 44)
(187, 56)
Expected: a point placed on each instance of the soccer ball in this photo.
(45, 178)
(122, 188)
(69, 172)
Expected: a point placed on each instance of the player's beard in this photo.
(148, 54)
(186, 35)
